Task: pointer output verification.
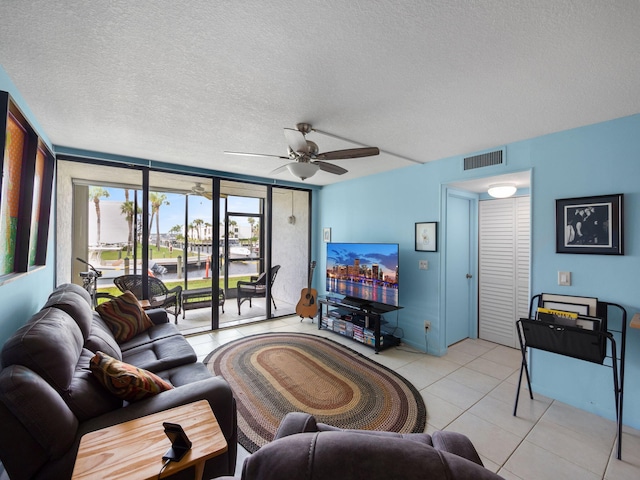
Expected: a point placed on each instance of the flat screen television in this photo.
(365, 273)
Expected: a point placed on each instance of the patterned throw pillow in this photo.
(126, 381)
(125, 316)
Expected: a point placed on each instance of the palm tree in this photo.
(176, 231)
(95, 194)
(157, 200)
(127, 209)
(252, 222)
(197, 223)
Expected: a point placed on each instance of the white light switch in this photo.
(564, 278)
(424, 265)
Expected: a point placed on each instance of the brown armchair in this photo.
(159, 295)
(304, 449)
(257, 287)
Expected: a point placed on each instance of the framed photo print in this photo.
(590, 225)
(427, 237)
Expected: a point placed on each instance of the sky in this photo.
(199, 207)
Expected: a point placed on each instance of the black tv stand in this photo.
(354, 302)
(357, 319)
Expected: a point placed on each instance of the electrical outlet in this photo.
(427, 325)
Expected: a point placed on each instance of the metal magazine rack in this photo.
(583, 335)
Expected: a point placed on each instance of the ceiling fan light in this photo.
(303, 170)
(502, 190)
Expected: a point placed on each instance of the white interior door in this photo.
(503, 270)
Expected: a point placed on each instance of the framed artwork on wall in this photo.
(15, 146)
(41, 206)
(590, 225)
(27, 168)
(427, 237)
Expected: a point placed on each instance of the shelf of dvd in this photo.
(362, 323)
(579, 327)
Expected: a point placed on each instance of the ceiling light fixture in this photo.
(502, 190)
(303, 170)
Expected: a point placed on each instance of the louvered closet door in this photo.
(503, 272)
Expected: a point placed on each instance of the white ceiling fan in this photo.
(198, 189)
(305, 155)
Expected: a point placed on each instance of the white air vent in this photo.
(484, 160)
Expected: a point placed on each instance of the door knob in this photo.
(469, 275)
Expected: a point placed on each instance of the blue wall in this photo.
(22, 295)
(594, 160)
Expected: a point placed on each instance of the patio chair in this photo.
(257, 287)
(159, 295)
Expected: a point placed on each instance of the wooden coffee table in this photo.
(134, 449)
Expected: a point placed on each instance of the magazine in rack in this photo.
(567, 310)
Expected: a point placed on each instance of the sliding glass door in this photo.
(204, 235)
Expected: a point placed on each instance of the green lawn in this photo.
(193, 284)
(164, 252)
(154, 253)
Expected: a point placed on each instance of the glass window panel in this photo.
(79, 186)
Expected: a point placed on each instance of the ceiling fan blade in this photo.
(256, 155)
(349, 153)
(279, 169)
(331, 168)
(208, 195)
(296, 141)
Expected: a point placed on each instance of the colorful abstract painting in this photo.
(37, 198)
(10, 194)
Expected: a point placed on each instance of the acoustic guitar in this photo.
(307, 305)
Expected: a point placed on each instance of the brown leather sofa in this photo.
(304, 449)
(49, 398)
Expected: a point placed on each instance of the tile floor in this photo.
(471, 390)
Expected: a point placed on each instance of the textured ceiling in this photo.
(183, 81)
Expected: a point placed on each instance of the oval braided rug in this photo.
(272, 374)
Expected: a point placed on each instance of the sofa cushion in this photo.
(101, 338)
(126, 381)
(85, 394)
(39, 408)
(186, 374)
(161, 354)
(125, 316)
(153, 334)
(75, 305)
(72, 287)
(50, 344)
